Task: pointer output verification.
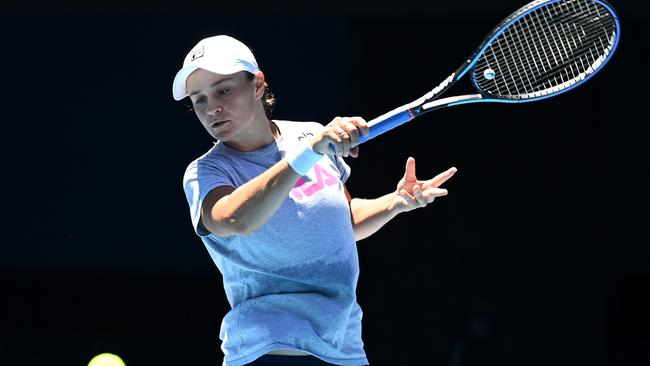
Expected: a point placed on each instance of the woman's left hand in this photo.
(413, 193)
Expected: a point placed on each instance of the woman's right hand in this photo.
(340, 137)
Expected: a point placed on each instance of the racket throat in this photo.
(450, 101)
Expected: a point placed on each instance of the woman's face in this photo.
(225, 104)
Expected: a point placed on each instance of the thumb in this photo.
(409, 171)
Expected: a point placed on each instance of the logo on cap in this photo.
(197, 53)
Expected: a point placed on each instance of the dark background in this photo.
(538, 256)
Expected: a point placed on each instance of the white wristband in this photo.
(302, 158)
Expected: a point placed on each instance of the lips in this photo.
(217, 124)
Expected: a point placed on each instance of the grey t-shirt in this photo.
(292, 283)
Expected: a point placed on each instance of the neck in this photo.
(264, 134)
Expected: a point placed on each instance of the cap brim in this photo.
(179, 89)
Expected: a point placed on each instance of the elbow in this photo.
(236, 225)
(228, 226)
(359, 233)
(242, 228)
(359, 236)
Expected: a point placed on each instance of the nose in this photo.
(214, 108)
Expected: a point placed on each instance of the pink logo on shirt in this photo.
(323, 178)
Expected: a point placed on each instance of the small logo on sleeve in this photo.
(305, 135)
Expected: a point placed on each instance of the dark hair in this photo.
(268, 99)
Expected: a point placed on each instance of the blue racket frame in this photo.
(428, 102)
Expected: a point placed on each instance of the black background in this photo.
(538, 256)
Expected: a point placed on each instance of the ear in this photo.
(260, 84)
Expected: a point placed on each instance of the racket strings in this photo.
(562, 42)
(554, 44)
(548, 49)
(555, 57)
(570, 36)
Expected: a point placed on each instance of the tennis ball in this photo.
(106, 359)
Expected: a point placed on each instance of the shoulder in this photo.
(191, 171)
(297, 130)
(192, 168)
(303, 126)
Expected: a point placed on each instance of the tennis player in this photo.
(269, 202)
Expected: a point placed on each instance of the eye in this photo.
(223, 92)
(199, 101)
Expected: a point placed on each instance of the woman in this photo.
(270, 204)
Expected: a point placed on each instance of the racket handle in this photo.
(386, 122)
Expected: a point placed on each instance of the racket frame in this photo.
(429, 101)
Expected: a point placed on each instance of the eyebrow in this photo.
(211, 86)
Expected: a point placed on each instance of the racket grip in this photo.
(385, 123)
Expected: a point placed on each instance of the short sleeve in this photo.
(199, 179)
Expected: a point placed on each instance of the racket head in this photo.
(544, 49)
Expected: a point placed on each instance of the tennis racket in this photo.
(544, 49)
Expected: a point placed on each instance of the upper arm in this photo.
(210, 219)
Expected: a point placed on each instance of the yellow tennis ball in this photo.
(106, 359)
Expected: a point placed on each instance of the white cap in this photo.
(221, 55)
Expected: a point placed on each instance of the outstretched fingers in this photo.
(439, 179)
(420, 197)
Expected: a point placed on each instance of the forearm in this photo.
(368, 216)
(249, 206)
